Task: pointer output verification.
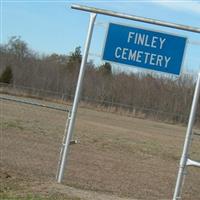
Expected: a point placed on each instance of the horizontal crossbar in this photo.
(33, 103)
(136, 18)
(193, 163)
(197, 134)
(71, 142)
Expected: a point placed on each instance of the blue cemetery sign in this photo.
(144, 48)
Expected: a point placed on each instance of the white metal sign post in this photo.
(71, 120)
(72, 116)
(185, 161)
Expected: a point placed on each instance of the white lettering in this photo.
(116, 52)
(141, 39)
(146, 57)
(132, 55)
(167, 59)
(146, 41)
(130, 36)
(124, 52)
(154, 41)
(162, 40)
(152, 58)
(139, 55)
(159, 60)
(136, 38)
(142, 57)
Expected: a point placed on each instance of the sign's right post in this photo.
(184, 159)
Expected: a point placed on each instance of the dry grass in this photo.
(116, 155)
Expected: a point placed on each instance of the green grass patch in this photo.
(7, 196)
(17, 124)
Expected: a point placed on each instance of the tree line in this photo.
(144, 94)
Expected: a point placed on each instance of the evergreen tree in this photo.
(7, 75)
(106, 69)
(74, 60)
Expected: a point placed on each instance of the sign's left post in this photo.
(70, 127)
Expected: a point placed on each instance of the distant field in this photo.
(117, 156)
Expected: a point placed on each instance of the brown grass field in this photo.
(117, 157)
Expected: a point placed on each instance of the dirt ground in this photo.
(117, 157)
